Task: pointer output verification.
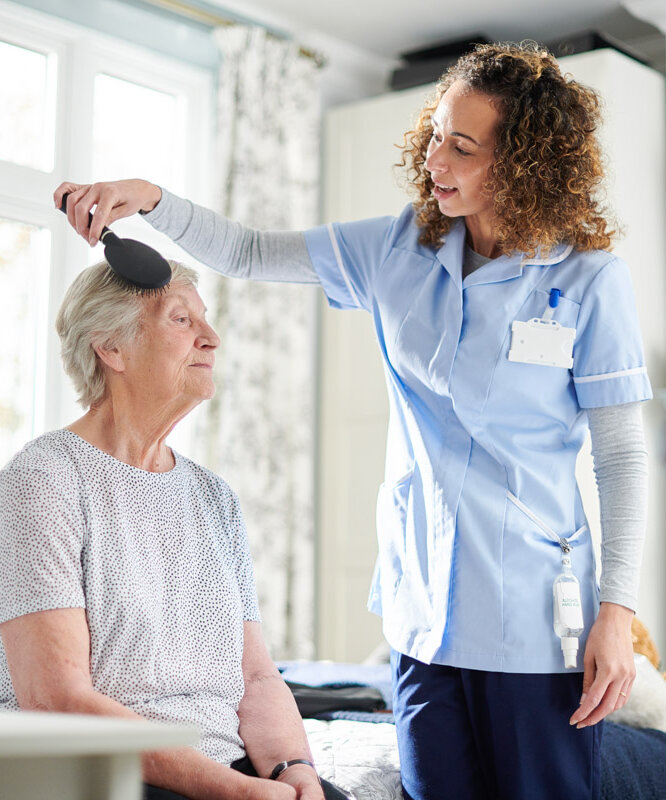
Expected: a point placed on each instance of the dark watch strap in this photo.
(278, 769)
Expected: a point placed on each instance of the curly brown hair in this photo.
(548, 165)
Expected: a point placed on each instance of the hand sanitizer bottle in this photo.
(567, 609)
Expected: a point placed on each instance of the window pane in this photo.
(24, 265)
(135, 132)
(27, 99)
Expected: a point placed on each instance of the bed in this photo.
(357, 750)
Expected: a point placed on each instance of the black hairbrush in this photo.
(137, 266)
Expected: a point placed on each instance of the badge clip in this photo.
(542, 340)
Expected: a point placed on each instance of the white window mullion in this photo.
(69, 252)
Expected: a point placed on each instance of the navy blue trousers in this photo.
(465, 734)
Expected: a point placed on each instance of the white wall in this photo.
(359, 149)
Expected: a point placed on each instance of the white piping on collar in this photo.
(545, 261)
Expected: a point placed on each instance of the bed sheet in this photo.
(360, 757)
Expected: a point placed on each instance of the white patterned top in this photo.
(159, 561)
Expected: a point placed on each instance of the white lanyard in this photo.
(567, 606)
(564, 544)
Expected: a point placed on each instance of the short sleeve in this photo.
(609, 365)
(346, 257)
(243, 564)
(41, 540)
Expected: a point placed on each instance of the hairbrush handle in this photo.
(105, 230)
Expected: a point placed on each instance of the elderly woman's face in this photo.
(172, 359)
(461, 151)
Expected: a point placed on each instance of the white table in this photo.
(47, 756)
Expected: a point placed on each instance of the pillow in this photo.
(646, 706)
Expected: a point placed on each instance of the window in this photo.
(29, 101)
(85, 107)
(135, 131)
(24, 258)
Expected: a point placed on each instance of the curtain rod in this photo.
(214, 20)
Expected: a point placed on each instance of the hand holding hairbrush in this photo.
(140, 268)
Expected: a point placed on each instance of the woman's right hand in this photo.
(113, 200)
(263, 789)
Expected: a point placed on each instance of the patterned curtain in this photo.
(259, 429)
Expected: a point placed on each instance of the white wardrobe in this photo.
(359, 182)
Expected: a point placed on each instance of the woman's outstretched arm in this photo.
(226, 246)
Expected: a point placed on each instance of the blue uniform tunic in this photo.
(480, 466)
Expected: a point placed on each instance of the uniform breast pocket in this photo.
(543, 340)
(534, 388)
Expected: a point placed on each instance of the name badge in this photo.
(542, 341)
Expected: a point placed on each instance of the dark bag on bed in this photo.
(314, 700)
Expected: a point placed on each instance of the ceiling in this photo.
(387, 28)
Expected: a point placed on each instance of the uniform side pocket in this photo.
(532, 561)
(392, 508)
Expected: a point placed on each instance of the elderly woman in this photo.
(507, 328)
(126, 584)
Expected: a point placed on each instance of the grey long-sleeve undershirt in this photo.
(618, 446)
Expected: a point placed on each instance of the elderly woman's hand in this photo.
(304, 780)
(263, 789)
(609, 665)
(113, 200)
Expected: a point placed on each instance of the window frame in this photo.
(26, 193)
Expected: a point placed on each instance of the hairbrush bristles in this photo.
(152, 292)
(132, 288)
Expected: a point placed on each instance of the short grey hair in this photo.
(100, 311)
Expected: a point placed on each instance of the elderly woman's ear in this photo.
(110, 357)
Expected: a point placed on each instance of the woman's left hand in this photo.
(304, 779)
(609, 666)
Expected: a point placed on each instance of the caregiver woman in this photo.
(480, 504)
